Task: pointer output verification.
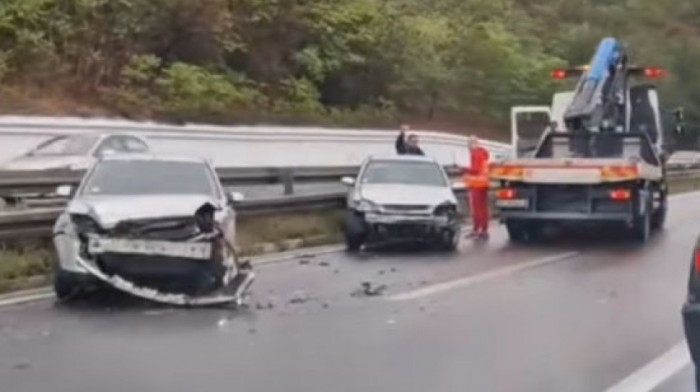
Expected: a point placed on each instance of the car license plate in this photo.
(514, 203)
(190, 250)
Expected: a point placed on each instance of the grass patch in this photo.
(24, 267)
(684, 185)
(318, 228)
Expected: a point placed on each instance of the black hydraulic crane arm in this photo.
(601, 99)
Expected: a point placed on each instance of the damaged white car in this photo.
(158, 227)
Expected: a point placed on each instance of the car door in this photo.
(528, 124)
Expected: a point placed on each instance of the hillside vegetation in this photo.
(344, 62)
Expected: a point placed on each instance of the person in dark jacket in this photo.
(407, 145)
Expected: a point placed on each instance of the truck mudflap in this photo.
(233, 291)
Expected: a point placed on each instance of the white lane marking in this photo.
(24, 299)
(655, 372)
(471, 280)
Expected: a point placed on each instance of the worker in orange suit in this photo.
(477, 181)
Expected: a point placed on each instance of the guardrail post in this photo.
(287, 177)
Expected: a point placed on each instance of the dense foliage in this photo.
(337, 61)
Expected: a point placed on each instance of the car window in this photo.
(116, 177)
(403, 173)
(66, 145)
(112, 143)
(132, 144)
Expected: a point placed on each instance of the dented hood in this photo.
(107, 211)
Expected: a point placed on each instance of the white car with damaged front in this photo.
(158, 227)
(406, 198)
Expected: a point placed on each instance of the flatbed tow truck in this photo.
(595, 157)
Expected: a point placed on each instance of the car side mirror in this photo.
(235, 197)
(348, 181)
(459, 186)
(64, 191)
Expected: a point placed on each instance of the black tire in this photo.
(641, 229)
(516, 231)
(658, 217)
(65, 285)
(523, 231)
(449, 241)
(355, 232)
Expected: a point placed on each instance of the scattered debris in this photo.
(392, 269)
(369, 290)
(326, 305)
(381, 272)
(336, 271)
(299, 297)
(307, 256)
(423, 283)
(324, 264)
(270, 305)
(304, 261)
(259, 306)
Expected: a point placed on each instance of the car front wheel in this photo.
(65, 285)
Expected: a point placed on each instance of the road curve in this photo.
(581, 313)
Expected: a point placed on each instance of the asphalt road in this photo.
(578, 313)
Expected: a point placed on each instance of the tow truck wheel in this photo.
(517, 231)
(658, 217)
(642, 226)
(523, 231)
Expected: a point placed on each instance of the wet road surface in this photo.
(579, 313)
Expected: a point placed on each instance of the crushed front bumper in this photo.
(409, 226)
(144, 268)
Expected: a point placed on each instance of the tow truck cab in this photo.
(604, 177)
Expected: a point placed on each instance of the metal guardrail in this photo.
(14, 184)
(38, 222)
(17, 183)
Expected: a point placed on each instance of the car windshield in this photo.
(66, 145)
(131, 177)
(404, 173)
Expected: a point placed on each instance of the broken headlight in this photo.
(446, 209)
(366, 206)
(204, 217)
(84, 224)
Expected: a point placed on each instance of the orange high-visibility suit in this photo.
(477, 180)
